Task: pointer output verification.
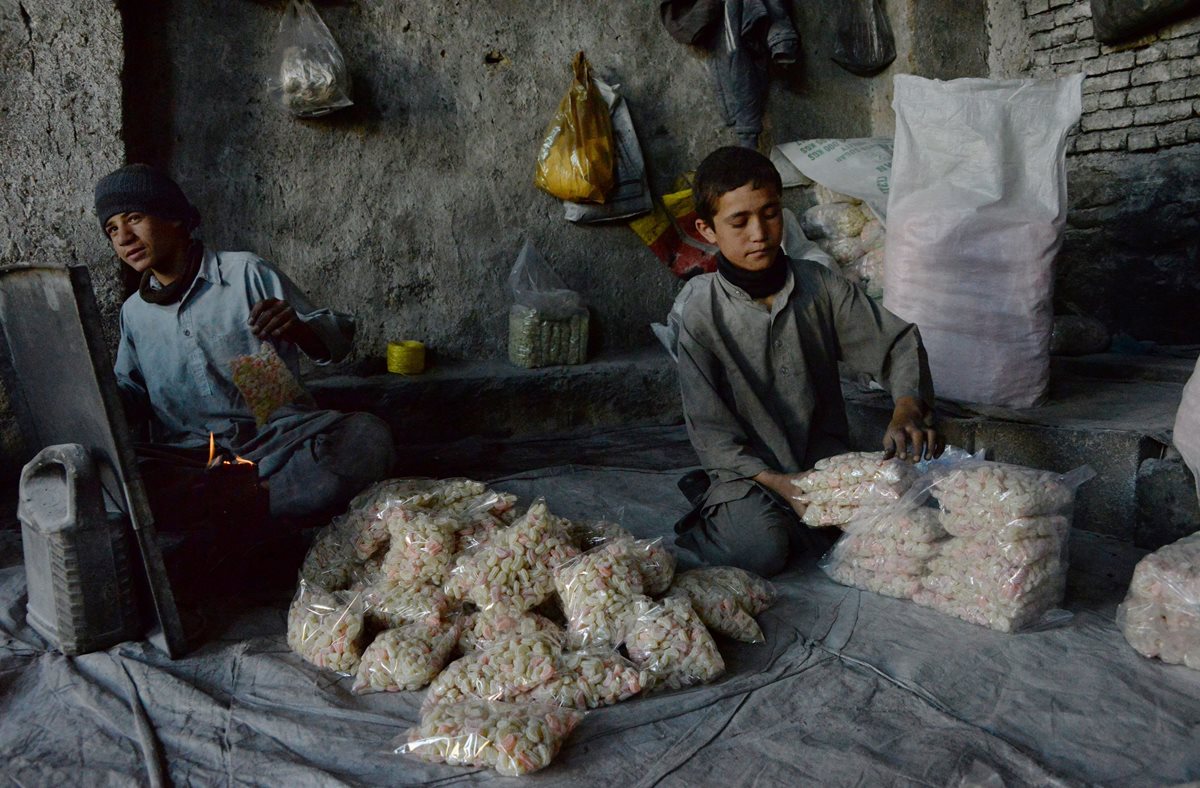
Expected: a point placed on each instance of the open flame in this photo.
(214, 460)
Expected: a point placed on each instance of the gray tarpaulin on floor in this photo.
(851, 689)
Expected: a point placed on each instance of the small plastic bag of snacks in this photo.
(308, 75)
(669, 642)
(597, 590)
(994, 494)
(510, 738)
(515, 568)
(887, 552)
(840, 488)
(1161, 615)
(406, 658)
(655, 561)
(330, 562)
(421, 547)
(727, 599)
(266, 383)
(590, 679)
(503, 672)
(485, 628)
(388, 604)
(326, 628)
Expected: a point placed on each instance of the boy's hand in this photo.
(911, 434)
(272, 318)
(781, 484)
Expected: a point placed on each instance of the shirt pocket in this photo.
(214, 359)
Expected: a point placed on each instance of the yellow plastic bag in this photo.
(576, 161)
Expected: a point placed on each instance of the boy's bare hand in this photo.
(782, 484)
(272, 318)
(911, 434)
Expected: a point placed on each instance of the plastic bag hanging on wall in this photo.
(864, 43)
(308, 75)
(577, 157)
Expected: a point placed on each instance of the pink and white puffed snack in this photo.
(265, 382)
(326, 629)
(421, 545)
(589, 679)
(669, 642)
(330, 562)
(1161, 615)
(727, 599)
(900, 586)
(998, 493)
(655, 561)
(994, 578)
(515, 569)
(887, 553)
(996, 529)
(838, 487)
(512, 739)
(363, 515)
(388, 604)
(485, 628)
(991, 613)
(504, 672)
(406, 658)
(597, 590)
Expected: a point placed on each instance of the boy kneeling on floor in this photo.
(759, 346)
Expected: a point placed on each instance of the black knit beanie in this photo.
(140, 187)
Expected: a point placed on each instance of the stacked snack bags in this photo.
(513, 623)
(841, 488)
(1161, 615)
(887, 553)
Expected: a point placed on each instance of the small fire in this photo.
(214, 460)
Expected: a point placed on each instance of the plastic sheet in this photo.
(1160, 617)
(512, 739)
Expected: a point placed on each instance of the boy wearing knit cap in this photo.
(195, 312)
(759, 347)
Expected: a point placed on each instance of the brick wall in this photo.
(1140, 95)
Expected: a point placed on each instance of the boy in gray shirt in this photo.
(759, 347)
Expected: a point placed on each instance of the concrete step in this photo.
(1111, 412)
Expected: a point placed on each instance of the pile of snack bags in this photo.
(1161, 615)
(983, 541)
(516, 623)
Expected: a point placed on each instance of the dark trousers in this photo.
(758, 533)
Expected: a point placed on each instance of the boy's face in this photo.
(143, 241)
(747, 226)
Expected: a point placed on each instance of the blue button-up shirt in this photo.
(173, 362)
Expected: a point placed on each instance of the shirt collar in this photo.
(210, 268)
(781, 298)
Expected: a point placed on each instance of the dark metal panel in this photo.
(59, 375)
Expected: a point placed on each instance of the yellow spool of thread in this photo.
(406, 358)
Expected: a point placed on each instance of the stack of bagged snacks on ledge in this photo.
(841, 488)
(1005, 564)
(512, 739)
(887, 553)
(438, 584)
(1161, 615)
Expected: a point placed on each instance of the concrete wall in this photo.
(408, 209)
(60, 129)
(1131, 256)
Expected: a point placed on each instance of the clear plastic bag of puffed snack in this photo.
(597, 590)
(266, 383)
(504, 672)
(484, 628)
(421, 545)
(979, 495)
(308, 75)
(1160, 617)
(886, 551)
(363, 518)
(590, 679)
(515, 568)
(655, 561)
(388, 604)
(406, 658)
(727, 599)
(331, 563)
(670, 643)
(513, 739)
(326, 629)
(846, 486)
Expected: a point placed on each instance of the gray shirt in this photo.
(761, 389)
(173, 361)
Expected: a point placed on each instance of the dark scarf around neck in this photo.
(757, 284)
(169, 294)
